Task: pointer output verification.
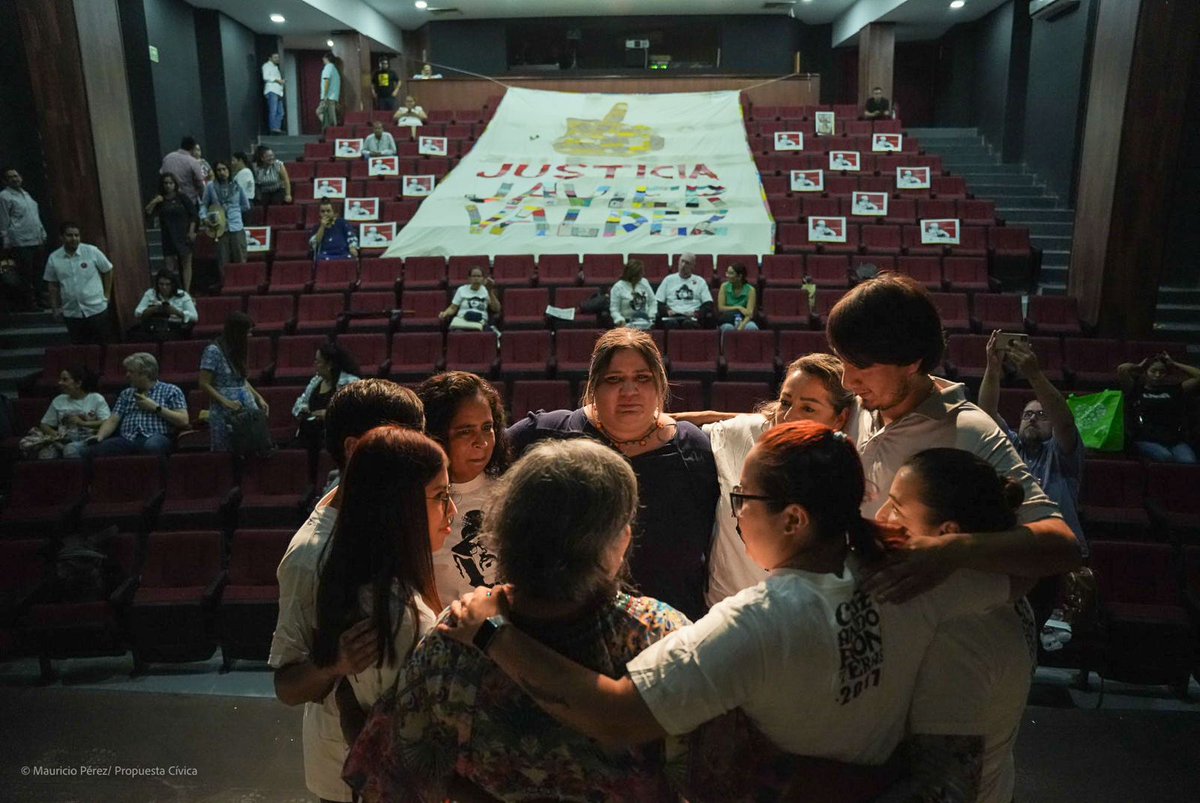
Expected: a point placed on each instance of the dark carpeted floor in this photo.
(247, 749)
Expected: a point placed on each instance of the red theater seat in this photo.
(381, 274)
(294, 358)
(687, 395)
(245, 619)
(44, 496)
(969, 274)
(526, 354)
(458, 269)
(925, 269)
(416, 355)
(276, 490)
(472, 351)
(786, 308)
(782, 270)
(420, 309)
(966, 356)
(200, 492)
(739, 397)
(998, 311)
(126, 491)
(1112, 497)
(272, 315)
(749, 355)
(531, 395)
(573, 351)
(370, 351)
(180, 362)
(334, 275)
(525, 307)
(956, 315)
(319, 313)
(1091, 362)
(558, 270)
(656, 266)
(602, 269)
(881, 240)
(424, 273)
(211, 312)
(514, 270)
(291, 276)
(1054, 315)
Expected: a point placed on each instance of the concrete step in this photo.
(1051, 243)
(1020, 215)
(1042, 228)
(12, 378)
(31, 337)
(1177, 313)
(984, 167)
(1055, 257)
(30, 358)
(1003, 199)
(1179, 295)
(1179, 331)
(998, 179)
(1052, 289)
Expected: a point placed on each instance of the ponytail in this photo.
(961, 487)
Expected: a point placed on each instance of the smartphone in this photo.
(1006, 339)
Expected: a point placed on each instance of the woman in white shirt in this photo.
(631, 300)
(166, 310)
(410, 114)
(376, 596)
(972, 688)
(465, 415)
(801, 655)
(472, 303)
(73, 416)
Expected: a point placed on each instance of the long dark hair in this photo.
(818, 468)
(962, 487)
(381, 537)
(442, 394)
(234, 340)
(339, 359)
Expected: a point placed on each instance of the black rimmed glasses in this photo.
(444, 499)
(737, 499)
(1034, 415)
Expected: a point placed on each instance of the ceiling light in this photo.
(958, 3)
(277, 18)
(421, 4)
(329, 43)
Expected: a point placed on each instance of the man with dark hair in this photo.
(273, 91)
(384, 85)
(353, 411)
(79, 279)
(22, 234)
(877, 106)
(186, 168)
(889, 336)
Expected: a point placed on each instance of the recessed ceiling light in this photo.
(329, 42)
(421, 4)
(805, 1)
(277, 18)
(958, 3)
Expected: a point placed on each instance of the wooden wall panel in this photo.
(354, 50)
(876, 59)
(86, 126)
(472, 93)
(1130, 146)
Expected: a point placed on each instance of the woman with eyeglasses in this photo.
(376, 595)
(807, 656)
(459, 728)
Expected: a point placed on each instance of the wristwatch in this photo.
(487, 632)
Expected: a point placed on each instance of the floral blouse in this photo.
(454, 713)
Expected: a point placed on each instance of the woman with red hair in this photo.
(820, 668)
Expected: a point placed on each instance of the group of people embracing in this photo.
(822, 600)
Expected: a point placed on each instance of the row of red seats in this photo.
(180, 596)
(305, 215)
(402, 132)
(909, 146)
(842, 111)
(357, 170)
(978, 241)
(790, 209)
(808, 125)
(776, 181)
(322, 152)
(438, 116)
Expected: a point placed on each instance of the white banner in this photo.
(566, 173)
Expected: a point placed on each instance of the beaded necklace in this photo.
(642, 441)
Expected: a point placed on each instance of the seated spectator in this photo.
(631, 299)
(73, 416)
(166, 311)
(877, 107)
(380, 143)
(465, 415)
(176, 215)
(737, 300)
(147, 413)
(684, 297)
(223, 377)
(973, 684)
(426, 74)
(1046, 437)
(561, 528)
(335, 369)
(1158, 406)
(271, 182)
(333, 238)
(410, 113)
(472, 303)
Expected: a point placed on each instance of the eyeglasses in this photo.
(1034, 415)
(737, 499)
(443, 499)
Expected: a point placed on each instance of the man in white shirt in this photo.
(353, 411)
(243, 176)
(331, 91)
(380, 143)
(23, 233)
(685, 296)
(273, 90)
(79, 278)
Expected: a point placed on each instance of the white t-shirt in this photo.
(814, 662)
(468, 300)
(975, 681)
(272, 79)
(181, 302)
(91, 407)
(465, 562)
(244, 178)
(683, 296)
(370, 684)
(78, 276)
(730, 568)
(298, 574)
(627, 303)
(408, 116)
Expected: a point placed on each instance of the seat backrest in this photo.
(575, 345)
(297, 351)
(255, 555)
(1137, 573)
(1111, 483)
(181, 356)
(523, 347)
(382, 269)
(530, 395)
(367, 349)
(526, 300)
(744, 347)
(22, 565)
(416, 349)
(271, 309)
(458, 269)
(283, 472)
(199, 475)
(320, 307)
(782, 266)
(186, 559)
(688, 345)
(739, 397)
(125, 479)
(35, 483)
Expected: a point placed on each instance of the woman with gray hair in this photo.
(560, 526)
